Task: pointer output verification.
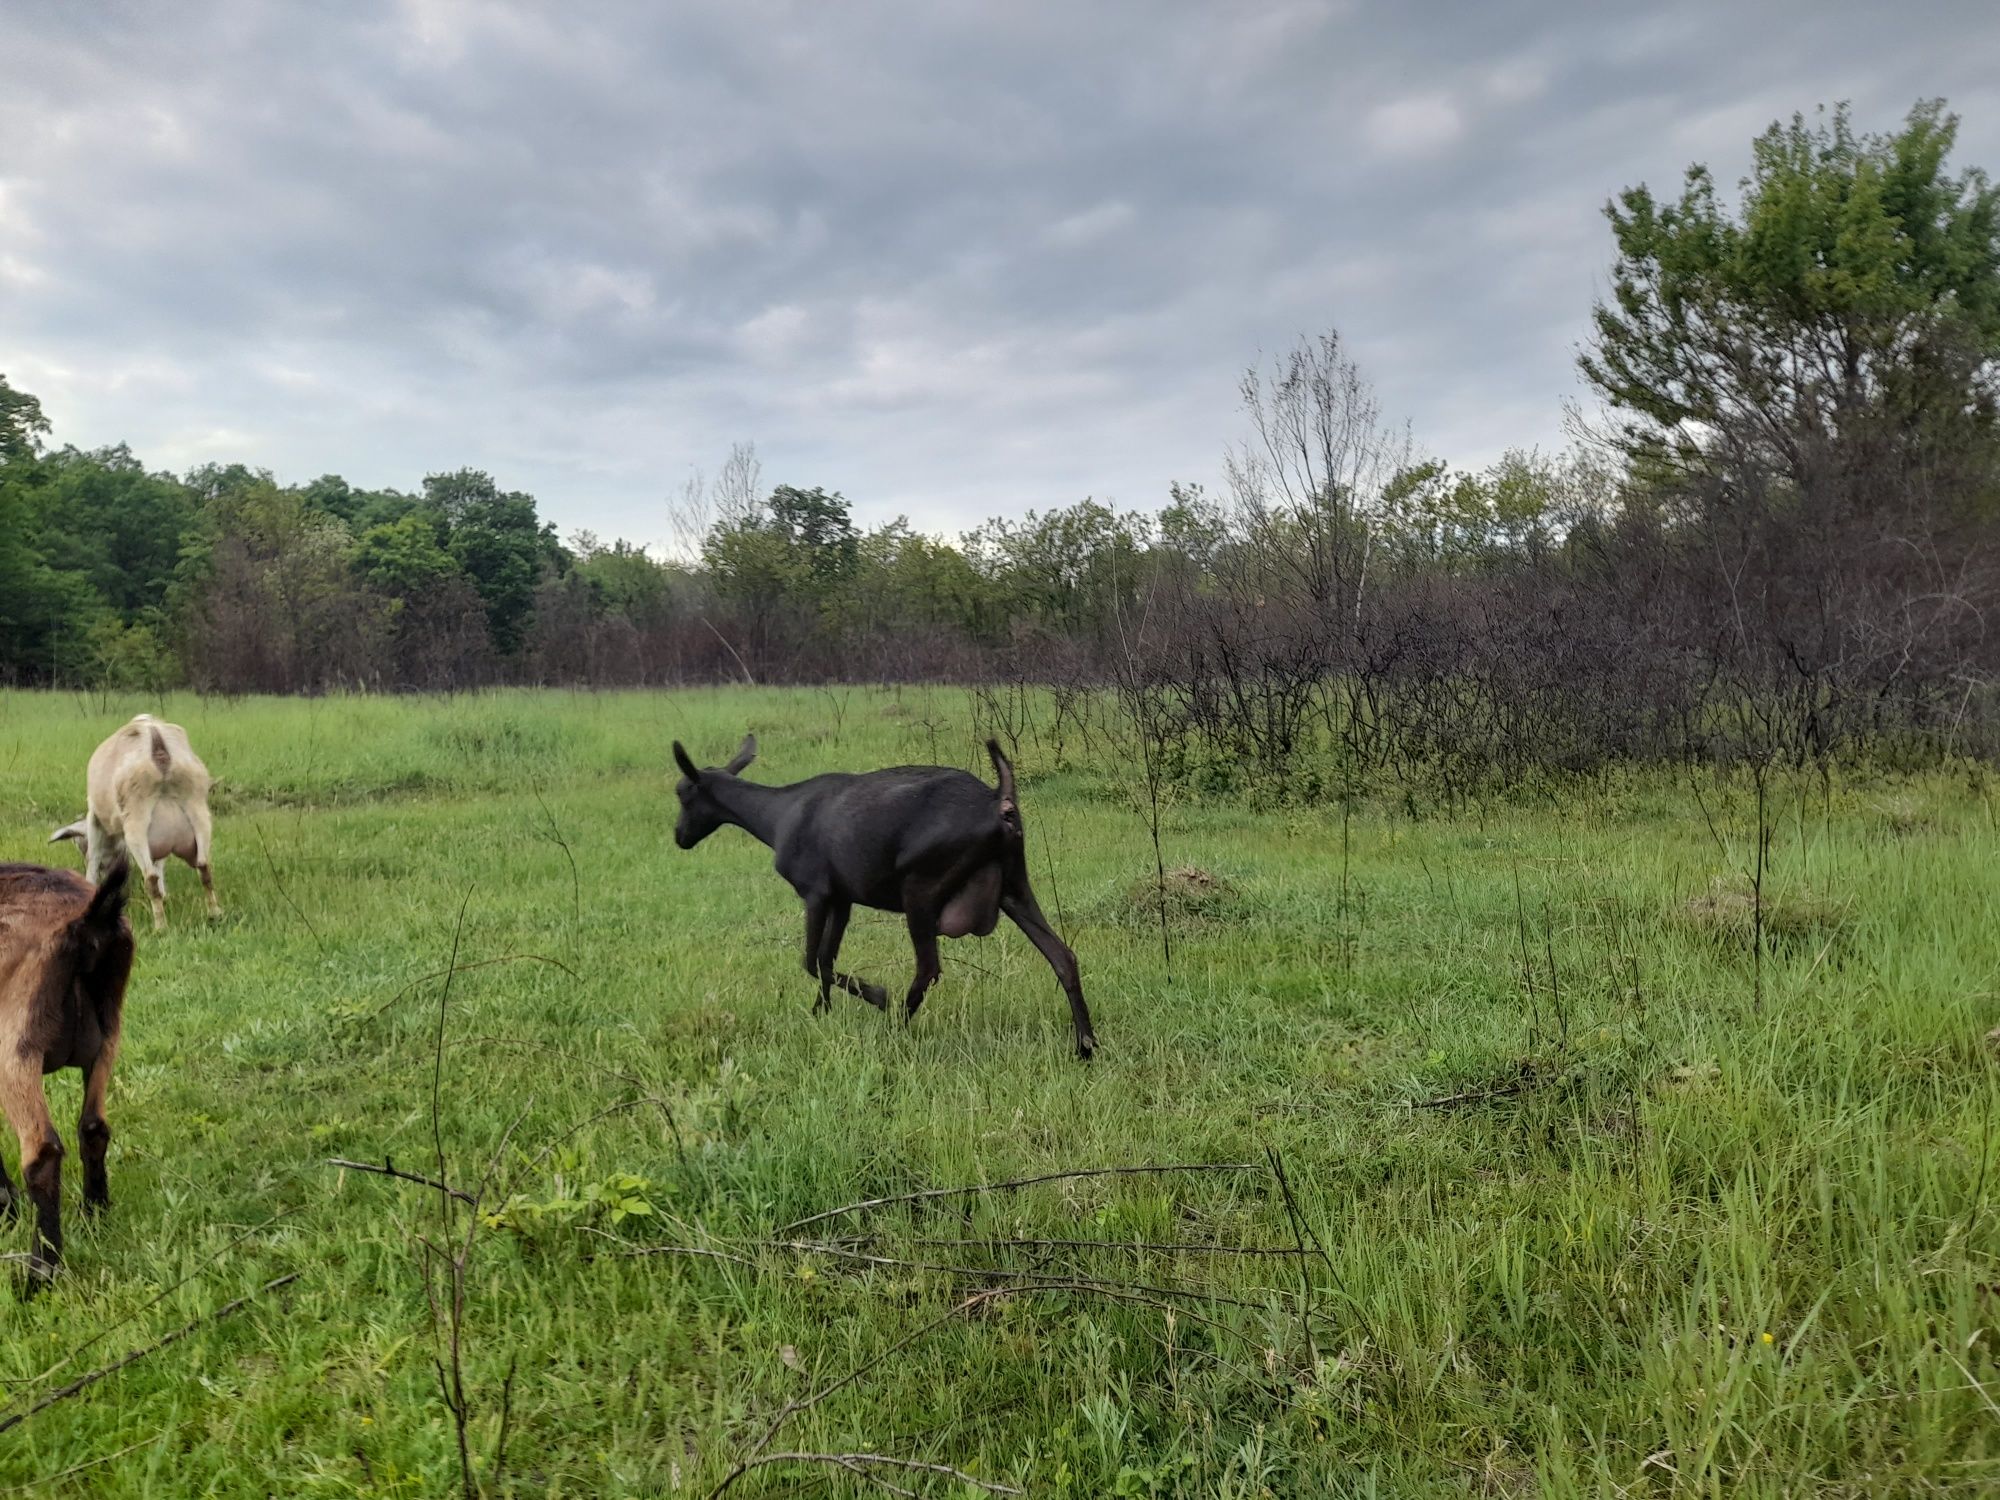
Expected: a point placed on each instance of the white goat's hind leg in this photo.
(139, 845)
(204, 834)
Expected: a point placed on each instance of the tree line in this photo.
(1780, 542)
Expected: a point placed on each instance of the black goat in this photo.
(936, 844)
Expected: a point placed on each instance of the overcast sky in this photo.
(953, 260)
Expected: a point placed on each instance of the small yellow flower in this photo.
(367, 1421)
(1770, 1338)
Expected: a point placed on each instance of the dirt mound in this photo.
(1194, 898)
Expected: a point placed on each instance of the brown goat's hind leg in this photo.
(93, 1135)
(41, 1161)
(1019, 904)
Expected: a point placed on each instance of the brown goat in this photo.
(65, 956)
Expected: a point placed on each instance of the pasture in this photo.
(1576, 1201)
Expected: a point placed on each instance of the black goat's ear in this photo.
(688, 767)
(745, 753)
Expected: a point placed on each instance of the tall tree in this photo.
(1841, 329)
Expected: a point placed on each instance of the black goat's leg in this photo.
(826, 928)
(1019, 903)
(816, 915)
(861, 989)
(923, 938)
(829, 953)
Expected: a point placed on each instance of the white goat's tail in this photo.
(160, 757)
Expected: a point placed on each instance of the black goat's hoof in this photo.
(93, 1207)
(875, 995)
(1086, 1048)
(9, 1205)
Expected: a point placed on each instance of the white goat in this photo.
(148, 797)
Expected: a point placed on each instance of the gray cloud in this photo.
(950, 260)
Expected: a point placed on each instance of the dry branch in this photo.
(484, 963)
(859, 1464)
(390, 1169)
(692, 1250)
(929, 1195)
(1124, 1247)
(1000, 1273)
(1476, 1096)
(792, 1408)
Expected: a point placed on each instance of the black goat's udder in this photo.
(975, 910)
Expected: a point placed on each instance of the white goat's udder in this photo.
(171, 831)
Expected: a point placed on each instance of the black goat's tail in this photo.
(1010, 810)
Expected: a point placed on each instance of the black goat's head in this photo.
(701, 815)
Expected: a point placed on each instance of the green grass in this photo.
(1692, 1243)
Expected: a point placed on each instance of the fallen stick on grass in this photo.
(83, 1382)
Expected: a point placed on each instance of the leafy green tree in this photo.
(272, 600)
(360, 509)
(754, 566)
(1072, 569)
(404, 558)
(495, 538)
(103, 517)
(792, 565)
(1193, 529)
(1844, 322)
(22, 425)
(624, 580)
(818, 526)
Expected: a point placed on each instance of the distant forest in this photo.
(1779, 541)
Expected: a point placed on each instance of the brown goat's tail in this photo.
(1010, 810)
(107, 903)
(99, 942)
(160, 756)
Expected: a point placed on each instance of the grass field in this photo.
(1683, 1236)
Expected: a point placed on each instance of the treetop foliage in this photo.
(1851, 303)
